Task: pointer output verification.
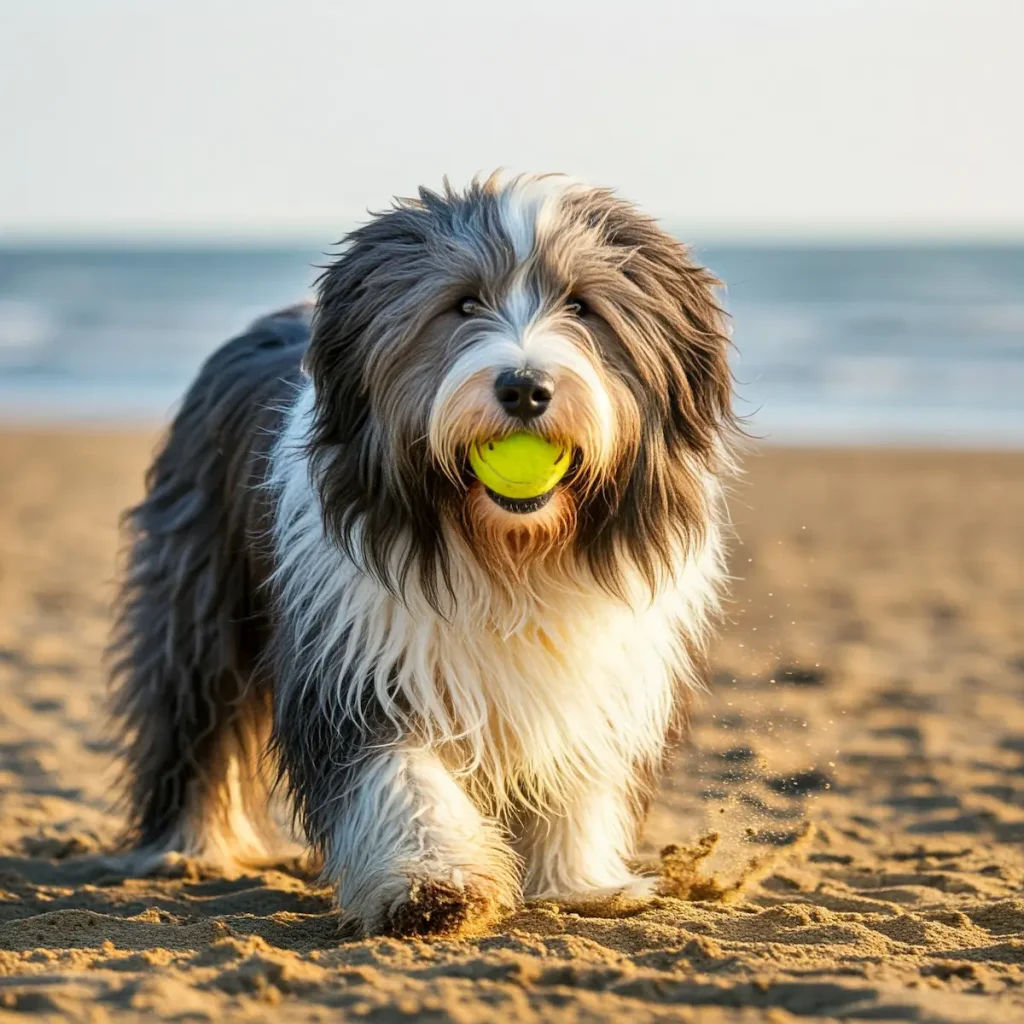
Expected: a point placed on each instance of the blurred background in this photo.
(851, 170)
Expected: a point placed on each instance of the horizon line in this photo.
(255, 240)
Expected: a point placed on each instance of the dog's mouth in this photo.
(520, 506)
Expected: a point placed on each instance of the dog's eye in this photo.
(469, 306)
(575, 307)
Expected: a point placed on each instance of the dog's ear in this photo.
(674, 309)
(354, 295)
(336, 357)
(371, 496)
(662, 307)
(682, 298)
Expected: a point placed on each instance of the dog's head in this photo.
(527, 305)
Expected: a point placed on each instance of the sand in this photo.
(861, 759)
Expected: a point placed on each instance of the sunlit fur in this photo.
(469, 703)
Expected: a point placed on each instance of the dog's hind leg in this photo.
(195, 722)
(191, 704)
(191, 628)
(195, 784)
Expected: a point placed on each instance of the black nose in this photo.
(524, 393)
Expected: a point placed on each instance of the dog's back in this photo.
(191, 620)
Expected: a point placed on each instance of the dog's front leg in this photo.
(583, 846)
(410, 854)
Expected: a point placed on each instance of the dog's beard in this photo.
(510, 543)
(590, 412)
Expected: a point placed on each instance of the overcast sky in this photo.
(725, 117)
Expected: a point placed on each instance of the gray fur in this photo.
(210, 675)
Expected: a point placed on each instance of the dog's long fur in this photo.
(465, 703)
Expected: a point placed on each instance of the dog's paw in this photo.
(435, 907)
(150, 862)
(160, 862)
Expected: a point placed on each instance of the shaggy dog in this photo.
(467, 698)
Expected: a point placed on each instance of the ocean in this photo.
(892, 345)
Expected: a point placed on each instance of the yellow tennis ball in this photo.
(520, 465)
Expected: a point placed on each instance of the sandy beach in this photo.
(843, 832)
